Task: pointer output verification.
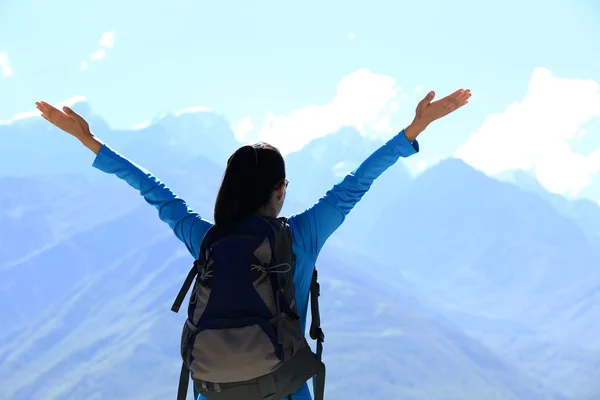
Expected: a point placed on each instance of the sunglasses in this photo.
(285, 184)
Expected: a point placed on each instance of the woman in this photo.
(255, 182)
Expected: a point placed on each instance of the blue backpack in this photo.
(242, 338)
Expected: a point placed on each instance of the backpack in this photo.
(242, 337)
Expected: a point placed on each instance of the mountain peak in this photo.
(346, 144)
(453, 169)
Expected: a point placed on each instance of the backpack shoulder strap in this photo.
(316, 333)
(288, 229)
(185, 288)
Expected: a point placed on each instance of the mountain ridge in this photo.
(444, 269)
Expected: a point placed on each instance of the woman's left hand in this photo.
(428, 111)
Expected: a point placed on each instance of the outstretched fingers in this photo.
(463, 96)
(49, 112)
(45, 107)
(457, 99)
(61, 120)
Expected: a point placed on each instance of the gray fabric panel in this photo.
(289, 335)
(201, 294)
(263, 287)
(263, 252)
(186, 340)
(263, 284)
(233, 355)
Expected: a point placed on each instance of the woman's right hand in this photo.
(70, 122)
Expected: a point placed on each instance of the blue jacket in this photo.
(310, 228)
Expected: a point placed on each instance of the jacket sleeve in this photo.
(187, 225)
(316, 224)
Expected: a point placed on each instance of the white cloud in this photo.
(5, 67)
(243, 129)
(141, 125)
(422, 165)
(351, 36)
(98, 55)
(106, 42)
(178, 113)
(192, 110)
(342, 169)
(535, 134)
(581, 134)
(363, 100)
(384, 124)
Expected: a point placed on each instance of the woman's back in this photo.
(310, 228)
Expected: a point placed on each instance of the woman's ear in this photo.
(280, 191)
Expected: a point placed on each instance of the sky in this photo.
(289, 72)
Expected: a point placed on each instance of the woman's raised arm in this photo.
(187, 225)
(316, 224)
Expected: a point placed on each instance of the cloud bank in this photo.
(537, 132)
(364, 100)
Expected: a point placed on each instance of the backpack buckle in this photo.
(318, 335)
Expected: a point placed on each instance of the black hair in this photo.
(253, 172)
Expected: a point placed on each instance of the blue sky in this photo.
(288, 72)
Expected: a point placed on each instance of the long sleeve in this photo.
(187, 225)
(316, 224)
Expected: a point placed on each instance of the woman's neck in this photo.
(268, 211)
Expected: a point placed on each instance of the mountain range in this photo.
(447, 285)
